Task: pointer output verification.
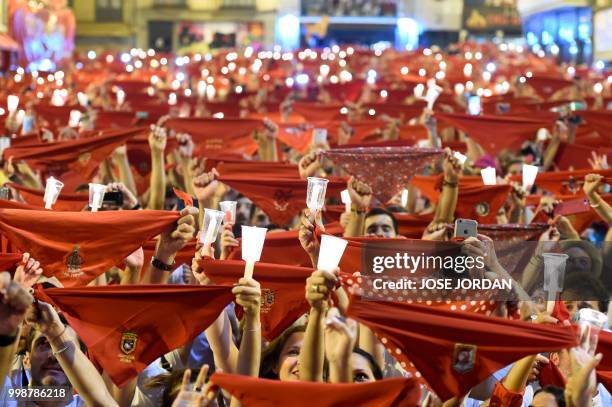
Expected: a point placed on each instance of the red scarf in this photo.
(454, 351)
(216, 135)
(546, 86)
(496, 133)
(76, 247)
(282, 290)
(253, 168)
(73, 162)
(558, 182)
(65, 202)
(600, 120)
(127, 327)
(280, 198)
(386, 170)
(318, 112)
(284, 248)
(255, 392)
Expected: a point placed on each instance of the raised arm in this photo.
(318, 289)
(592, 182)
(169, 243)
(81, 373)
(361, 196)
(120, 158)
(450, 189)
(157, 143)
(13, 307)
(248, 296)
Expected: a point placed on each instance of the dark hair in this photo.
(588, 288)
(271, 355)
(376, 370)
(557, 393)
(382, 211)
(396, 209)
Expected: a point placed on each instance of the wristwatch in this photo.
(158, 264)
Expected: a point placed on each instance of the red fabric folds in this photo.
(73, 162)
(76, 247)
(65, 202)
(496, 133)
(564, 182)
(285, 248)
(127, 327)
(387, 170)
(280, 198)
(600, 120)
(502, 397)
(318, 112)
(255, 392)
(455, 350)
(282, 290)
(8, 261)
(264, 168)
(216, 135)
(550, 375)
(546, 86)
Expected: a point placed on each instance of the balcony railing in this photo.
(237, 3)
(169, 3)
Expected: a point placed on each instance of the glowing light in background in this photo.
(407, 34)
(288, 32)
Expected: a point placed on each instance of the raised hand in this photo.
(309, 164)
(186, 145)
(205, 184)
(452, 167)
(129, 200)
(158, 137)
(591, 185)
(360, 193)
(598, 162)
(340, 336)
(15, 303)
(135, 261)
(307, 237)
(28, 271)
(228, 240)
(45, 319)
(319, 287)
(200, 394)
(248, 296)
(175, 238)
(581, 383)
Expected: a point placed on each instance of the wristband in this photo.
(136, 207)
(158, 264)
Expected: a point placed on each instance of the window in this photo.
(109, 11)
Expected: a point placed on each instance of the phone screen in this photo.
(474, 105)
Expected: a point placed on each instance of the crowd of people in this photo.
(126, 295)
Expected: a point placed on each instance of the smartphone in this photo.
(113, 198)
(474, 105)
(465, 228)
(319, 136)
(572, 207)
(577, 106)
